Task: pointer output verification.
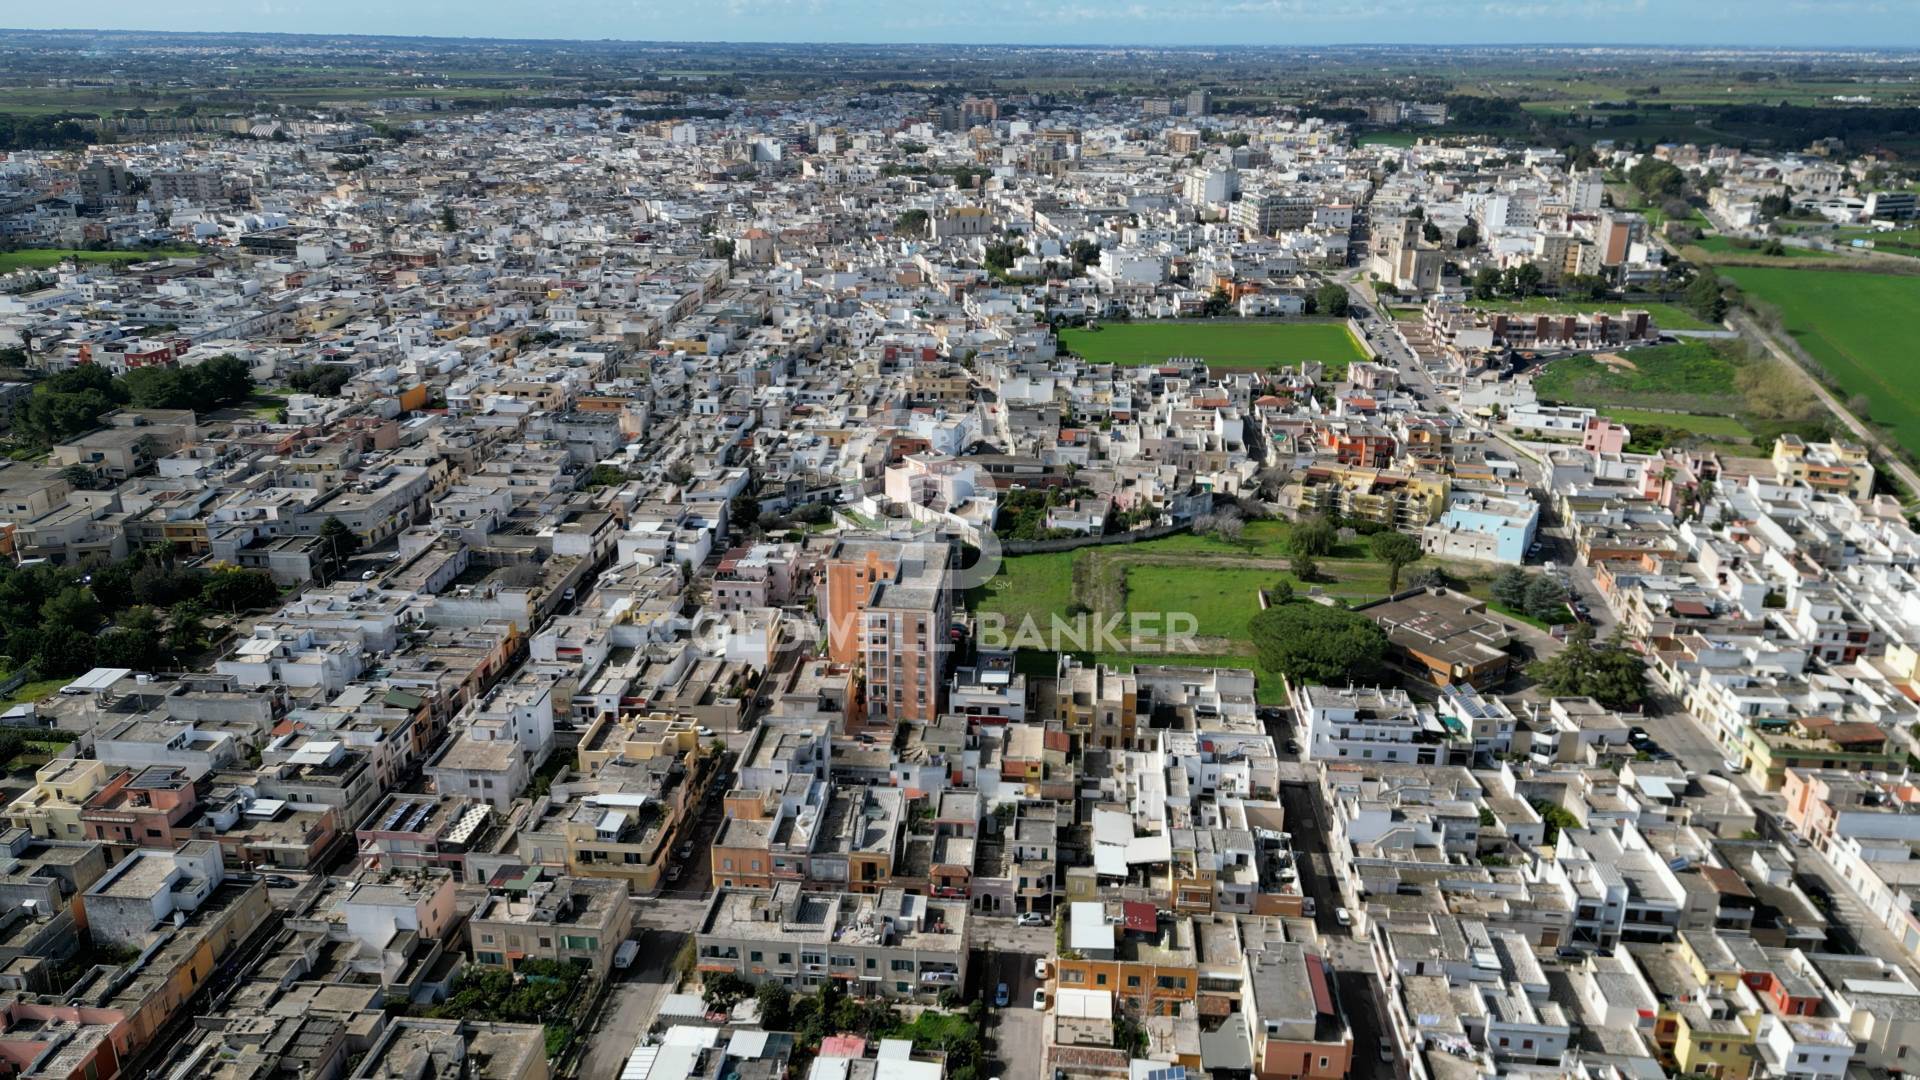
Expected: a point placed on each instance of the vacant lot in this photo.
(1859, 327)
(1898, 242)
(1215, 581)
(1690, 375)
(1665, 316)
(1223, 343)
(1720, 245)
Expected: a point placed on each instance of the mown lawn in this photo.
(1859, 327)
(1222, 343)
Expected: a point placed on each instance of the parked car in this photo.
(704, 732)
(624, 955)
(1040, 968)
(280, 881)
(1293, 746)
(1734, 766)
(1032, 918)
(1308, 907)
(1001, 996)
(1386, 1054)
(369, 575)
(674, 872)
(1040, 1000)
(1343, 916)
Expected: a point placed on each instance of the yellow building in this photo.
(1840, 468)
(51, 808)
(1718, 1046)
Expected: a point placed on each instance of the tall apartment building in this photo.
(1616, 233)
(889, 604)
(1271, 213)
(1199, 103)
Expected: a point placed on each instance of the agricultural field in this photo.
(41, 258)
(1665, 316)
(1222, 343)
(1858, 327)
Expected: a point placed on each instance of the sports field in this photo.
(1859, 327)
(40, 258)
(1221, 343)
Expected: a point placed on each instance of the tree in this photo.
(1313, 536)
(1654, 178)
(223, 380)
(1545, 598)
(79, 477)
(776, 1006)
(911, 223)
(1705, 297)
(1553, 818)
(1306, 568)
(1522, 281)
(239, 590)
(1280, 593)
(448, 223)
(743, 512)
(337, 543)
(188, 630)
(1218, 303)
(1318, 644)
(1608, 673)
(64, 650)
(1430, 233)
(1397, 550)
(1468, 236)
(1331, 299)
(160, 388)
(121, 647)
(75, 608)
(1510, 588)
(1486, 283)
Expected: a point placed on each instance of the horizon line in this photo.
(1142, 46)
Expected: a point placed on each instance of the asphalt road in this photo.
(631, 1006)
(1019, 1032)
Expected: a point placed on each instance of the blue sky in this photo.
(1886, 23)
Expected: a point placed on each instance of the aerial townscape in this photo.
(644, 560)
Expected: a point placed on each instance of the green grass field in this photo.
(1899, 242)
(1665, 316)
(1859, 327)
(1387, 138)
(1718, 427)
(1693, 375)
(40, 258)
(1720, 245)
(1224, 343)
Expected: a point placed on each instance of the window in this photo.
(486, 939)
(1133, 982)
(756, 956)
(490, 958)
(579, 943)
(726, 864)
(155, 833)
(786, 958)
(1100, 979)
